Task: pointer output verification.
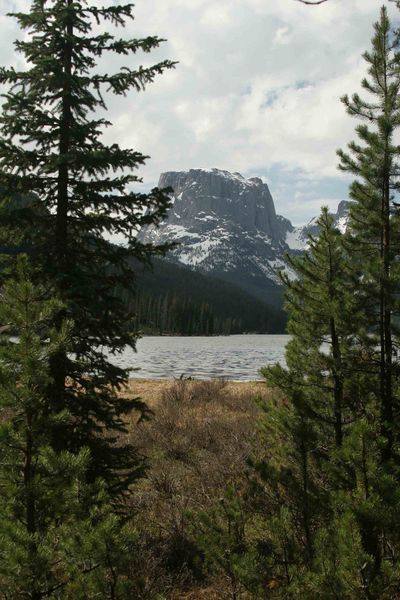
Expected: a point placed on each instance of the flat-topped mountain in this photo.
(227, 226)
(209, 197)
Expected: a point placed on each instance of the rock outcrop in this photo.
(201, 194)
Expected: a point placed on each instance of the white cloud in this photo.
(217, 16)
(257, 88)
(282, 36)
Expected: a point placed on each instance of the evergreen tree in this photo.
(221, 534)
(323, 401)
(373, 238)
(58, 535)
(51, 148)
(340, 420)
(320, 307)
(373, 230)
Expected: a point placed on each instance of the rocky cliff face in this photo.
(202, 196)
(226, 225)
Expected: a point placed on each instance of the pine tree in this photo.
(340, 420)
(327, 469)
(373, 238)
(51, 148)
(59, 537)
(222, 536)
(322, 350)
(321, 398)
(373, 230)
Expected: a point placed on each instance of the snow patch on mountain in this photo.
(198, 252)
(342, 224)
(296, 239)
(178, 232)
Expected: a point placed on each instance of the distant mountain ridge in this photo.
(341, 218)
(227, 226)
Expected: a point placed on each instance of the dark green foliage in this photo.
(222, 535)
(373, 240)
(51, 145)
(374, 233)
(173, 315)
(313, 463)
(323, 348)
(66, 466)
(174, 299)
(58, 535)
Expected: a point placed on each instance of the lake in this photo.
(237, 357)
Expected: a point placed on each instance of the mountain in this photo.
(297, 237)
(227, 226)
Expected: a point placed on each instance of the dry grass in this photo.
(198, 443)
(151, 391)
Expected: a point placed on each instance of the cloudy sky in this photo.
(257, 90)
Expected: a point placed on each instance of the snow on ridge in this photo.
(216, 237)
(206, 217)
(198, 252)
(295, 239)
(272, 267)
(237, 177)
(178, 231)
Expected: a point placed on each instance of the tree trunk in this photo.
(386, 330)
(306, 505)
(337, 361)
(385, 309)
(337, 386)
(30, 506)
(58, 363)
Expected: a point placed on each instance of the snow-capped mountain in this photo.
(297, 237)
(226, 225)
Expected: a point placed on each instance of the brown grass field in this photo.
(151, 390)
(197, 444)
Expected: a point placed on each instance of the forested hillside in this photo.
(177, 300)
(173, 299)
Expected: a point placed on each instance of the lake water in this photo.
(238, 357)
